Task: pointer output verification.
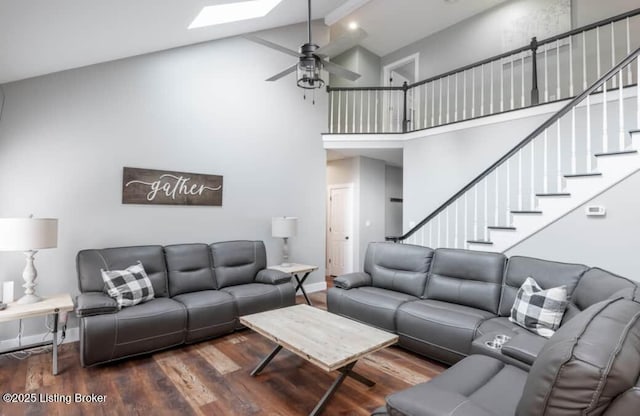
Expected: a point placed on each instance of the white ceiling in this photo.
(391, 157)
(392, 24)
(43, 36)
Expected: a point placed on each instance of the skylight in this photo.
(233, 12)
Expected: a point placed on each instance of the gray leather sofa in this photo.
(200, 291)
(590, 366)
(446, 303)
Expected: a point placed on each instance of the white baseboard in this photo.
(72, 335)
(314, 287)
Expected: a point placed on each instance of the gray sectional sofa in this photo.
(446, 303)
(200, 291)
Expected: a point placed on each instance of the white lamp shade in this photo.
(284, 227)
(23, 234)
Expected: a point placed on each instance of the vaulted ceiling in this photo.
(43, 36)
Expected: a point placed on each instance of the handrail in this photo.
(500, 56)
(564, 110)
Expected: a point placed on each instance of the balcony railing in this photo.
(544, 71)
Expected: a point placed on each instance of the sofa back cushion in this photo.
(546, 273)
(587, 364)
(594, 286)
(89, 263)
(399, 267)
(465, 277)
(189, 268)
(237, 262)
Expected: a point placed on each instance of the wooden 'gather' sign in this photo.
(149, 186)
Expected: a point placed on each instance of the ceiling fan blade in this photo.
(340, 71)
(287, 71)
(342, 43)
(272, 45)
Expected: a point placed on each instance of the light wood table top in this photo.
(294, 268)
(320, 337)
(48, 305)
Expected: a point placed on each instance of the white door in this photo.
(340, 230)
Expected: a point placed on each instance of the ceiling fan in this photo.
(312, 58)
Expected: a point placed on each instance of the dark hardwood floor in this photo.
(209, 378)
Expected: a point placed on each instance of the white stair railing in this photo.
(562, 147)
(568, 64)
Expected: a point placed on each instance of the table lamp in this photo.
(28, 235)
(284, 227)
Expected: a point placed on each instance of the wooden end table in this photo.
(51, 305)
(296, 270)
(327, 340)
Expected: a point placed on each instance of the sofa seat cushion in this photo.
(372, 305)
(476, 386)
(147, 327)
(440, 330)
(209, 313)
(258, 297)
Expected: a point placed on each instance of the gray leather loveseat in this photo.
(200, 291)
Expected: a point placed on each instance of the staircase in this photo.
(587, 147)
(611, 168)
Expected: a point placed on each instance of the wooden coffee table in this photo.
(329, 341)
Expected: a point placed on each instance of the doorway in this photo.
(395, 75)
(340, 230)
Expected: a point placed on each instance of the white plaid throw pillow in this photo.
(539, 310)
(130, 286)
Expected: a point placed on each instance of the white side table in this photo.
(50, 305)
(296, 270)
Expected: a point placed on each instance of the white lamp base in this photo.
(26, 299)
(29, 275)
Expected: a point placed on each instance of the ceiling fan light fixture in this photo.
(308, 73)
(233, 12)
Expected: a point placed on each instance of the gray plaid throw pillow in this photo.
(539, 310)
(128, 287)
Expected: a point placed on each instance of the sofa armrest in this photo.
(524, 347)
(272, 277)
(95, 303)
(352, 280)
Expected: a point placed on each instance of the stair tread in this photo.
(479, 242)
(579, 175)
(555, 194)
(500, 227)
(526, 212)
(619, 152)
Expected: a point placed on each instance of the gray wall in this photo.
(437, 166)
(393, 210)
(372, 205)
(362, 61)
(610, 242)
(65, 137)
(484, 35)
(584, 12)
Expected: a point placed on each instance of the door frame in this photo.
(386, 73)
(354, 228)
